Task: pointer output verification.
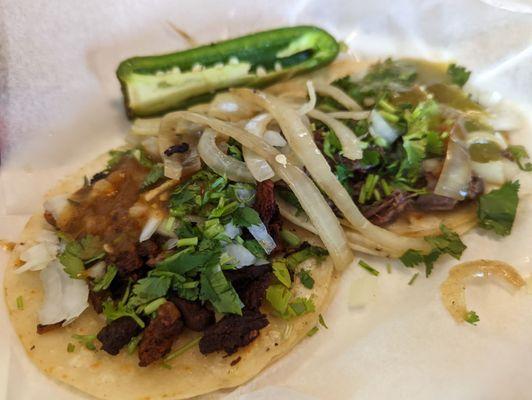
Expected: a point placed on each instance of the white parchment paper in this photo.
(60, 106)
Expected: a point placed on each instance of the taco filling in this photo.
(204, 255)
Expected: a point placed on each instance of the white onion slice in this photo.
(221, 163)
(257, 165)
(228, 107)
(304, 189)
(302, 142)
(150, 227)
(311, 104)
(456, 172)
(261, 235)
(351, 148)
(379, 127)
(453, 288)
(274, 138)
(338, 95)
(151, 145)
(354, 115)
(145, 126)
(242, 255)
(55, 205)
(65, 298)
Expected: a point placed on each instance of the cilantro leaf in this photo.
(306, 279)
(520, 156)
(155, 174)
(344, 175)
(448, 242)
(411, 258)
(73, 265)
(472, 318)
(148, 289)
(86, 340)
(184, 261)
(246, 217)
(106, 279)
(281, 272)
(255, 248)
(331, 144)
(279, 297)
(459, 75)
(113, 312)
(496, 209)
(218, 290)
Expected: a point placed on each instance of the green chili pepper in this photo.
(157, 84)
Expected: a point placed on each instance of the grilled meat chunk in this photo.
(117, 334)
(232, 332)
(160, 334)
(388, 209)
(251, 283)
(195, 316)
(268, 210)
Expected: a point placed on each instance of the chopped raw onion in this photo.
(304, 189)
(379, 127)
(350, 144)
(453, 288)
(38, 256)
(150, 227)
(354, 115)
(65, 298)
(146, 126)
(242, 255)
(338, 95)
(221, 163)
(261, 235)
(302, 142)
(97, 271)
(231, 230)
(456, 172)
(151, 145)
(490, 172)
(309, 106)
(55, 205)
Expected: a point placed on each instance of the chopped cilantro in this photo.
(281, 272)
(496, 209)
(289, 196)
(73, 265)
(322, 321)
(459, 75)
(411, 258)
(246, 217)
(290, 238)
(370, 158)
(299, 306)
(331, 144)
(155, 174)
(520, 156)
(148, 289)
(471, 317)
(106, 279)
(306, 279)
(234, 149)
(78, 253)
(255, 248)
(154, 305)
(20, 303)
(218, 290)
(182, 349)
(71, 347)
(368, 268)
(133, 343)
(279, 297)
(344, 174)
(413, 279)
(313, 331)
(113, 312)
(293, 260)
(86, 340)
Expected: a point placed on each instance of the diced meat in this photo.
(434, 202)
(99, 176)
(160, 334)
(233, 332)
(96, 299)
(49, 218)
(476, 188)
(195, 316)
(268, 210)
(42, 329)
(388, 209)
(251, 284)
(127, 261)
(117, 334)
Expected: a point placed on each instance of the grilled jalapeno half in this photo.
(157, 84)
